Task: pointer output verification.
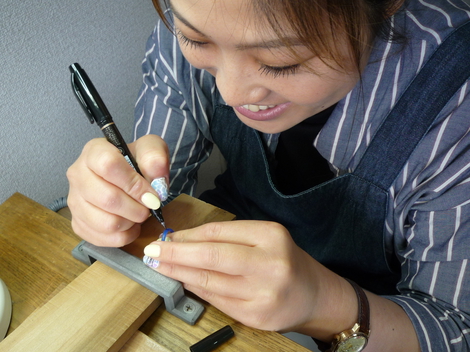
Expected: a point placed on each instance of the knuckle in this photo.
(76, 227)
(107, 163)
(204, 279)
(122, 238)
(70, 173)
(212, 231)
(212, 257)
(111, 225)
(141, 215)
(136, 186)
(276, 229)
(282, 268)
(206, 295)
(110, 200)
(151, 158)
(170, 269)
(170, 253)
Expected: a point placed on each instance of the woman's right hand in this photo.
(105, 194)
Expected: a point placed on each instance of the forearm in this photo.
(391, 328)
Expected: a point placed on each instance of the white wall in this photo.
(42, 127)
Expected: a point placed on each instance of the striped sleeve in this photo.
(432, 236)
(174, 107)
(428, 218)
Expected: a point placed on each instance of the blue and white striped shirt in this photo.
(428, 221)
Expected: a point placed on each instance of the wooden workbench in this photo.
(36, 264)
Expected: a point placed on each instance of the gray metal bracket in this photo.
(170, 290)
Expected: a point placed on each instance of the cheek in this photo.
(202, 58)
(319, 90)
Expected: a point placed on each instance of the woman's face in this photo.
(255, 72)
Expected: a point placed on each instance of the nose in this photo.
(239, 82)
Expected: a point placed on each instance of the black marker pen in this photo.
(95, 110)
(214, 340)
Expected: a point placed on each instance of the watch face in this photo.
(352, 344)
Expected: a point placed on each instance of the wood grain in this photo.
(35, 254)
(36, 263)
(98, 311)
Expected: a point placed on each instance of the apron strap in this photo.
(440, 78)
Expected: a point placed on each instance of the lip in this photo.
(263, 115)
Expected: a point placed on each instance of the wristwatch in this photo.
(356, 338)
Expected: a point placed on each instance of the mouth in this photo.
(262, 112)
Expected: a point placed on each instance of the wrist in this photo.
(356, 338)
(335, 307)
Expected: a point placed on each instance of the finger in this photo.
(107, 163)
(88, 187)
(152, 155)
(98, 218)
(100, 232)
(248, 233)
(226, 258)
(211, 281)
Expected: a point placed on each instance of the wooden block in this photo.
(184, 212)
(139, 342)
(35, 254)
(98, 311)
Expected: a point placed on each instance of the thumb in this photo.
(152, 155)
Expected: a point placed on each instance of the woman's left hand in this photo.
(251, 270)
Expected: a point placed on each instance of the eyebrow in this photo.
(265, 44)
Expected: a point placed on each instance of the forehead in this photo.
(235, 18)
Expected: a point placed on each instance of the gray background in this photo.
(42, 127)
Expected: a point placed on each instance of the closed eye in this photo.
(189, 42)
(279, 71)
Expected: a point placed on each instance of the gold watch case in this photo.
(351, 340)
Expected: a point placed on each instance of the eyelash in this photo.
(264, 69)
(186, 41)
(279, 71)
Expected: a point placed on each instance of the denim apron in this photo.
(340, 222)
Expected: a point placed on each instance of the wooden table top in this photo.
(36, 263)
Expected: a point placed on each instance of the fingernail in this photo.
(151, 201)
(150, 262)
(164, 235)
(160, 186)
(152, 250)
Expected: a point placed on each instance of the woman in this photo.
(336, 176)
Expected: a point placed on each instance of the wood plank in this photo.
(35, 254)
(139, 342)
(98, 311)
(36, 262)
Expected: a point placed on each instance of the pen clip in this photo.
(80, 97)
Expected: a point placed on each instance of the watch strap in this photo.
(363, 317)
(363, 307)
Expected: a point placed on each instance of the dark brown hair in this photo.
(325, 26)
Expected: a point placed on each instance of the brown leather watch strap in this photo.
(363, 316)
(364, 309)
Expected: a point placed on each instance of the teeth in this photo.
(256, 108)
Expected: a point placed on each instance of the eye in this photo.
(189, 42)
(283, 71)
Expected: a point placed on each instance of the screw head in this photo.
(188, 307)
